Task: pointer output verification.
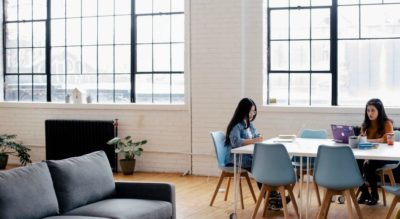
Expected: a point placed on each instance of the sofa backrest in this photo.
(81, 180)
(27, 192)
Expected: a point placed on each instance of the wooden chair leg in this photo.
(392, 206)
(346, 194)
(221, 178)
(290, 190)
(323, 210)
(250, 187)
(241, 193)
(358, 192)
(356, 206)
(259, 200)
(391, 177)
(267, 195)
(317, 192)
(227, 188)
(283, 196)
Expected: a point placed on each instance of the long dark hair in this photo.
(382, 117)
(241, 113)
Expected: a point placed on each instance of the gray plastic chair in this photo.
(395, 190)
(336, 170)
(272, 167)
(218, 138)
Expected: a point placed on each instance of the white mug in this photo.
(362, 139)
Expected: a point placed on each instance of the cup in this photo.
(353, 141)
(362, 139)
(390, 138)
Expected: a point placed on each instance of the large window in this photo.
(332, 52)
(113, 50)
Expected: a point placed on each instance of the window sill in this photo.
(324, 109)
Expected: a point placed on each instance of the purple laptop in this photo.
(341, 133)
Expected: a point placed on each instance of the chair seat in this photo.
(388, 167)
(231, 169)
(392, 189)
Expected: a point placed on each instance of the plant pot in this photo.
(3, 161)
(127, 166)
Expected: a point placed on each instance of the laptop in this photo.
(341, 133)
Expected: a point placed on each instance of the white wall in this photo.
(224, 63)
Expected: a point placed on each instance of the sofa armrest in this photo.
(147, 190)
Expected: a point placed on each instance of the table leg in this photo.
(301, 187)
(308, 186)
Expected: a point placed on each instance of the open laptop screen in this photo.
(341, 133)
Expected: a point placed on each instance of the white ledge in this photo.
(323, 109)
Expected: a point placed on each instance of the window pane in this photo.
(25, 10)
(320, 23)
(106, 59)
(279, 24)
(11, 35)
(178, 88)
(321, 89)
(178, 28)
(144, 88)
(178, 57)
(89, 31)
(73, 31)
(300, 24)
(73, 60)
(25, 88)
(162, 57)
(89, 87)
(144, 58)
(39, 9)
(380, 21)
(25, 61)
(320, 55)
(369, 68)
(58, 32)
(347, 2)
(161, 28)
(58, 88)
(58, 9)
(122, 29)
(321, 2)
(25, 34)
(11, 61)
(278, 89)
(39, 34)
(300, 89)
(122, 6)
(11, 8)
(11, 88)
(177, 5)
(39, 88)
(278, 3)
(123, 59)
(348, 22)
(106, 7)
(106, 30)
(279, 55)
(39, 60)
(295, 3)
(89, 7)
(89, 59)
(57, 60)
(370, 1)
(161, 6)
(143, 6)
(144, 29)
(74, 8)
(162, 88)
(122, 88)
(75, 81)
(300, 55)
(106, 88)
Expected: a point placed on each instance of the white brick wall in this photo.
(224, 62)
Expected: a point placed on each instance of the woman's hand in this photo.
(258, 139)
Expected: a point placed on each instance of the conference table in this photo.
(308, 147)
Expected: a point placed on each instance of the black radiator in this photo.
(70, 138)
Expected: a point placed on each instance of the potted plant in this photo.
(8, 146)
(130, 149)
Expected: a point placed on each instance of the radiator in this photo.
(70, 138)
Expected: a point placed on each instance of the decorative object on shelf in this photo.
(88, 99)
(8, 146)
(67, 98)
(76, 96)
(130, 150)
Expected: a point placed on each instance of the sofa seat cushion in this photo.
(27, 192)
(75, 217)
(126, 209)
(82, 180)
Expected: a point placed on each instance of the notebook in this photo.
(341, 133)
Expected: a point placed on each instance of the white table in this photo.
(306, 147)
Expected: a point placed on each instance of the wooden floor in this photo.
(193, 195)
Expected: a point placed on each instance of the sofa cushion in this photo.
(82, 180)
(27, 192)
(126, 209)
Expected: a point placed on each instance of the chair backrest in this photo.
(272, 165)
(336, 168)
(218, 138)
(396, 135)
(311, 133)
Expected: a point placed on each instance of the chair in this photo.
(220, 150)
(396, 192)
(336, 170)
(272, 167)
(310, 133)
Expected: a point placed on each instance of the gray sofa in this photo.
(80, 188)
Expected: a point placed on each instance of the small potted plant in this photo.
(9, 146)
(130, 149)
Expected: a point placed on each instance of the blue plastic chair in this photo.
(336, 170)
(272, 167)
(310, 133)
(227, 171)
(395, 190)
